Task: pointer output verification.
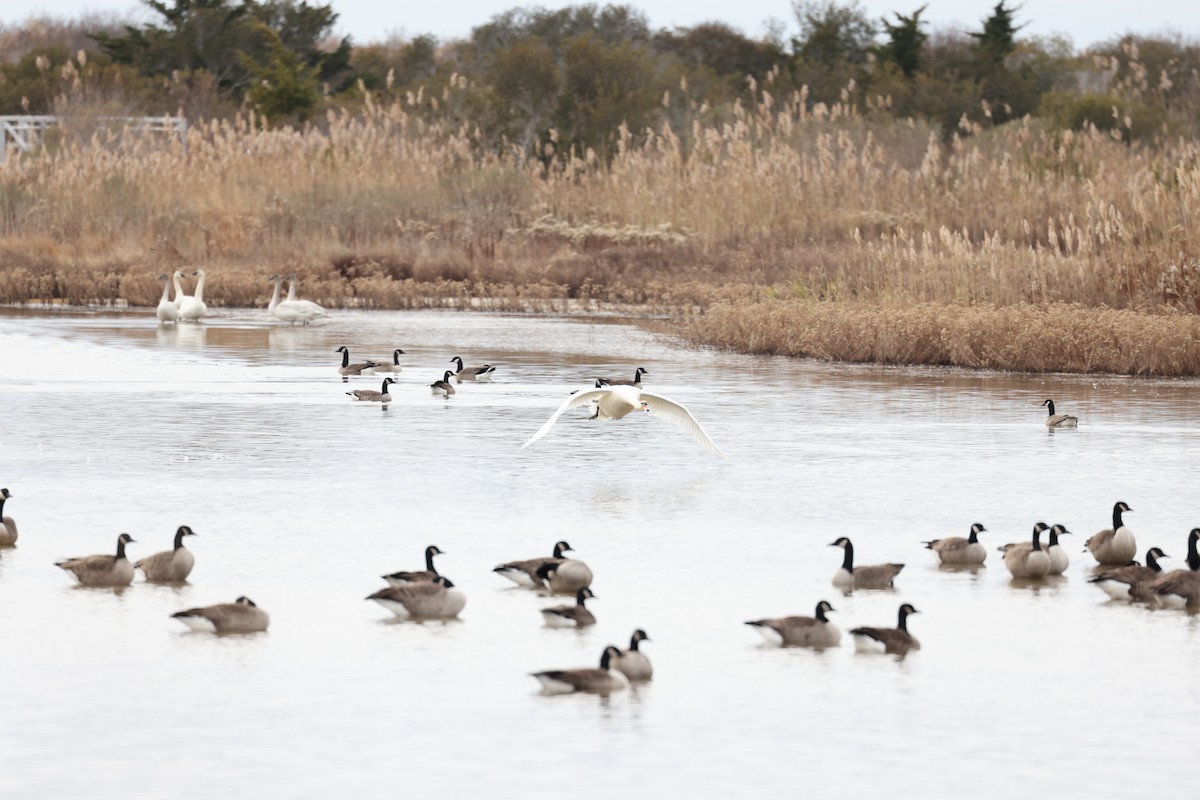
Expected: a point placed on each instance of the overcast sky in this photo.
(1084, 21)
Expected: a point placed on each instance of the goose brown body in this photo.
(1114, 546)
(800, 631)
(170, 566)
(240, 616)
(102, 570)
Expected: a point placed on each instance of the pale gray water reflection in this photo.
(302, 499)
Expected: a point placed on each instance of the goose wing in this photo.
(678, 416)
(575, 400)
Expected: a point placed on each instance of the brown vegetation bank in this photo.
(795, 229)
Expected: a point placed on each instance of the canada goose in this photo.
(1028, 559)
(294, 310)
(566, 577)
(600, 681)
(895, 640)
(372, 396)
(1179, 588)
(170, 566)
(814, 631)
(1113, 546)
(394, 366)
(632, 663)
(1059, 560)
(876, 576)
(614, 402)
(360, 368)
(483, 372)
(957, 550)
(177, 282)
(1125, 583)
(524, 573)
(442, 388)
(166, 311)
(193, 308)
(576, 616)
(1059, 420)
(637, 379)
(102, 570)
(8, 527)
(240, 616)
(425, 576)
(438, 599)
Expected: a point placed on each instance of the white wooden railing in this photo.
(24, 133)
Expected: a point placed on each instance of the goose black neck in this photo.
(396, 357)
(974, 537)
(821, 613)
(580, 597)
(1050, 408)
(1037, 539)
(120, 548)
(903, 623)
(2, 499)
(345, 358)
(429, 562)
(559, 550)
(848, 558)
(1193, 559)
(634, 641)
(459, 362)
(1152, 562)
(383, 388)
(1117, 523)
(179, 538)
(1053, 538)
(605, 658)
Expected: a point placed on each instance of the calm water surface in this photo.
(302, 498)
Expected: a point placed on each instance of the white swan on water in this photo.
(167, 311)
(193, 308)
(293, 310)
(177, 279)
(614, 402)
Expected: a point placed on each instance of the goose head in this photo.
(1058, 530)
(905, 611)
(638, 636)
(639, 372)
(457, 360)
(388, 381)
(1152, 557)
(125, 538)
(433, 549)
(5, 494)
(823, 608)
(842, 542)
(341, 349)
(562, 547)
(245, 601)
(583, 594)
(978, 528)
(1121, 507)
(610, 652)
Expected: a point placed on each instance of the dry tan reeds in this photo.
(395, 208)
(1045, 338)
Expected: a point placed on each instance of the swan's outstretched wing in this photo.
(574, 401)
(677, 415)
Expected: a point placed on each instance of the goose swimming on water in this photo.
(576, 616)
(1028, 559)
(814, 631)
(392, 367)
(483, 372)
(101, 570)
(240, 616)
(437, 599)
(615, 402)
(442, 388)
(896, 641)
(1179, 588)
(359, 368)
(632, 663)
(170, 566)
(428, 575)
(525, 573)
(598, 681)
(875, 576)
(957, 550)
(8, 526)
(1116, 545)
(372, 396)
(1059, 420)
(1126, 583)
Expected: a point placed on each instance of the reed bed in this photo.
(1045, 338)
(400, 207)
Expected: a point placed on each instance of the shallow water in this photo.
(302, 498)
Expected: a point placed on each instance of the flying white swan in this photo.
(193, 308)
(614, 402)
